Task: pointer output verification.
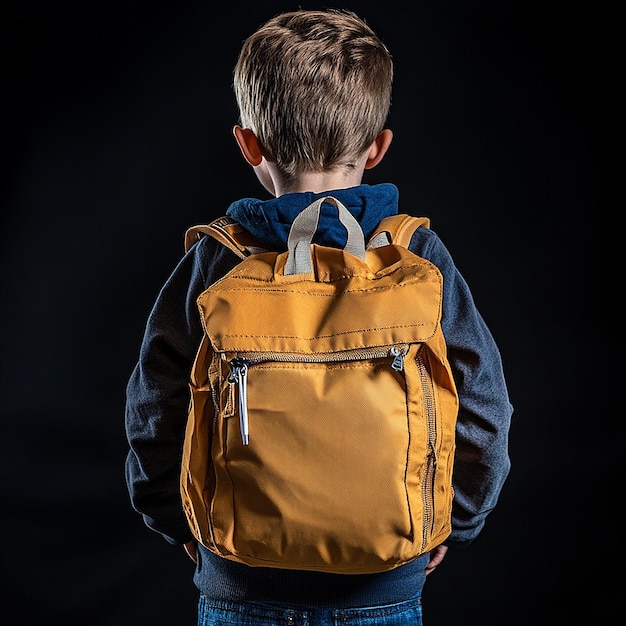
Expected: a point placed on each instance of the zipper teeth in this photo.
(431, 458)
(320, 357)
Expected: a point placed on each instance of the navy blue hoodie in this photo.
(158, 399)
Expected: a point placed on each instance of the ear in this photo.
(379, 148)
(248, 144)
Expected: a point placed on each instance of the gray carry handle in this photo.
(303, 229)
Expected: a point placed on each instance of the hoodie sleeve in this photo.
(482, 460)
(157, 393)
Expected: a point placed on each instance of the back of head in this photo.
(315, 88)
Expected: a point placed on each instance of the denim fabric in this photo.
(220, 613)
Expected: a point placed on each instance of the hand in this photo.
(436, 556)
(190, 549)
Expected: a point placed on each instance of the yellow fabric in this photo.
(349, 464)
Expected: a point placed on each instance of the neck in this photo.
(318, 182)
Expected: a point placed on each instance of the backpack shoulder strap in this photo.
(397, 229)
(228, 232)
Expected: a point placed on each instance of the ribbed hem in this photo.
(221, 579)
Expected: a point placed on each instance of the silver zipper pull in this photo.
(398, 353)
(238, 376)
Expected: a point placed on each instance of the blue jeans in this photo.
(221, 613)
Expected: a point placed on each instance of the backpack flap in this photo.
(382, 296)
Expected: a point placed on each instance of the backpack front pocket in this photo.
(322, 477)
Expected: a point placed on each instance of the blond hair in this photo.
(315, 88)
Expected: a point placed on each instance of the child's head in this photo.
(315, 89)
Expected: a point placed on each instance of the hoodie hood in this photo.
(270, 220)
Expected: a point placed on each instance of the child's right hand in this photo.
(436, 556)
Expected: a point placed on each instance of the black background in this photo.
(117, 137)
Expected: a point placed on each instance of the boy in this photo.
(313, 90)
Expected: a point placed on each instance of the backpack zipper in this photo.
(239, 366)
(428, 492)
(239, 376)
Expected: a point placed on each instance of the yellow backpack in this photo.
(322, 419)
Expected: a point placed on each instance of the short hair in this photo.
(315, 88)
